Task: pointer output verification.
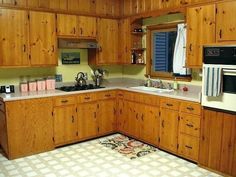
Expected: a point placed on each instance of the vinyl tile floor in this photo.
(91, 159)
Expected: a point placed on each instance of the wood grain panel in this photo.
(21, 3)
(87, 27)
(189, 124)
(67, 25)
(190, 107)
(14, 40)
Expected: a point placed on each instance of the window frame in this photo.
(149, 52)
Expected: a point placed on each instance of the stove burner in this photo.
(78, 88)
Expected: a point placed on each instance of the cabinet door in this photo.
(87, 27)
(15, 2)
(107, 30)
(200, 31)
(30, 127)
(225, 24)
(210, 140)
(124, 41)
(134, 116)
(87, 120)
(169, 130)
(14, 28)
(150, 124)
(65, 124)
(3, 132)
(107, 116)
(66, 25)
(43, 43)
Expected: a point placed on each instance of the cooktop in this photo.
(78, 88)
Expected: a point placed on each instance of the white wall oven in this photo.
(222, 58)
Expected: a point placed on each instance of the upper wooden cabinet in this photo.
(124, 41)
(226, 25)
(14, 39)
(76, 26)
(200, 31)
(22, 3)
(108, 40)
(43, 42)
(48, 4)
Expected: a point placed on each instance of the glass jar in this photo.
(41, 84)
(50, 83)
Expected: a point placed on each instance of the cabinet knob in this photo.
(87, 98)
(189, 147)
(162, 124)
(64, 101)
(189, 125)
(73, 119)
(107, 95)
(190, 108)
(170, 105)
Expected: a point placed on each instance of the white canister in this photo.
(23, 87)
(50, 83)
(32, 86)
(41, 84)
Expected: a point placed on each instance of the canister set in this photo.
(28, 85)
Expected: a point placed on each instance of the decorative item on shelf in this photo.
(140, 59)
(138, 30)
(133, 58)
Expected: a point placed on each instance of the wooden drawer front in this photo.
(62, 101)
(120, 94)
(188, 147)
(189, 124)
(2, 106)
(106, 95)
(170, 104)
(189, 107)
(130, 96)
(87, 97)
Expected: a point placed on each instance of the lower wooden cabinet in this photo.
(29, 127)
(169, 130)
(3, 128)
(65, 124)
(87, 120)
(218, 141)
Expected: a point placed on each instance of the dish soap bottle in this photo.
(175, 85)
(149, 82)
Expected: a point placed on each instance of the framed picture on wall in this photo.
(70, 57)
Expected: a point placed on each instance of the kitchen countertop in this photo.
(194, 94)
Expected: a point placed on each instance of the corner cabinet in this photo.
(29, 127)
(14, 38)
(43, 42)
(200, 30)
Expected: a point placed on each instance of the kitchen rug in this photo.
(128, 146)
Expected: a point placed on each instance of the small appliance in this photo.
(7, 89)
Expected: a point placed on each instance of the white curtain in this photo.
(179, 57)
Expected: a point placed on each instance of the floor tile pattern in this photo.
(91, 159)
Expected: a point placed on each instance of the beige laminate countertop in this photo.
(191, 95)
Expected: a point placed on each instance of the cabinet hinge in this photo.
(98, 129)
(77, 133)
(52, 113)
(177, 146)
(98, 106)
(216, 10)
(28, 16)
(159, 113)
(76, 110)
(159, 139)
(29, 57)
(178, 118)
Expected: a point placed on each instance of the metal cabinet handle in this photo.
(64, 101)
(24, 48)
(191, 47)
(169, 104)
(53, 48)
(189, 147)
(107, 95)
(73, 119)
(189, 125)
(220, 34)
(142, 117)
(87, 98)
(190, 108)
(162, 124)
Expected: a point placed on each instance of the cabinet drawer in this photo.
(106, 95)
(2, 106)
(149, 99)
(189, 124)
(190, 107)
(87, 97)
(62, 101)
(120, 94)
(130, 96)
(170, 103)
(188, 147)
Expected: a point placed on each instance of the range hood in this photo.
(77, 44)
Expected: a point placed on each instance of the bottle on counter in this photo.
(175, 85)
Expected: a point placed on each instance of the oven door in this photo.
(227, 101)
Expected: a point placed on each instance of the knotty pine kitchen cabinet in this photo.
(43, 42)
(76, 26)
(217, 141)
(108, 41)
(225, 26)
(169, 124)
(48, 4)
(124, 41)
(14, 38)
(29, 127)
(106, 112)
(65, 120)
(20, 3)
(201, 23)
(3, 128)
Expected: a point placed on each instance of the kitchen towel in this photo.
(179, 57)
(213, 81)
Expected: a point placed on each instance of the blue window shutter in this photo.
(160, 51)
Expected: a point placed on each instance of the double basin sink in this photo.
(152, 89)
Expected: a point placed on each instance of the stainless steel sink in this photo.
(152, 89)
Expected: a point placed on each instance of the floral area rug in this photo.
(128, 146)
